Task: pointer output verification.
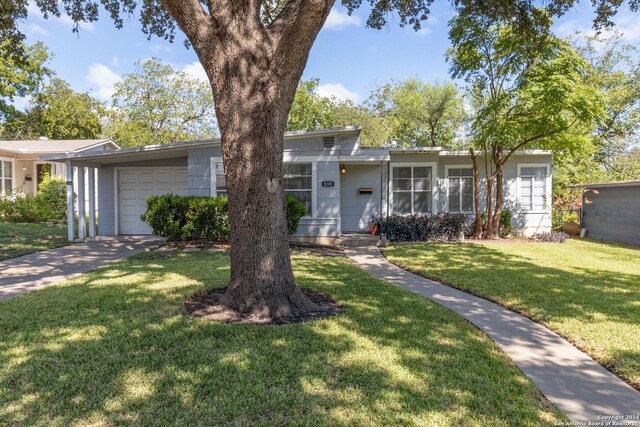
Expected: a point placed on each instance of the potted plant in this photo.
(374, 226)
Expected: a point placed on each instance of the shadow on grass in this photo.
(588, 291)
(113, 347)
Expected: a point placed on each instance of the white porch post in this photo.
(82, 224)
(92, 202)
(71, 234)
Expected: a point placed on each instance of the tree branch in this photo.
(192, 20)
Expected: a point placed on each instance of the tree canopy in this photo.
(156, 104)
(20, 77)
(310, 111)
(58, 112)
(419, 112)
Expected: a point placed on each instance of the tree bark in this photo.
(477, 223)
(488, 223)
(498, 161)
(254, 72)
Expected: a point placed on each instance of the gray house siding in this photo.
(613, 214)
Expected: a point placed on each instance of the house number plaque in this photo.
(328, 184)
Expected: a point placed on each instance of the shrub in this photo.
(23, 208)
(183, 218)
(551, 236)
(294, 210)
(53, 194)
(506, 227)
(413, 228)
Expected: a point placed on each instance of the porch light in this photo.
(343, 169)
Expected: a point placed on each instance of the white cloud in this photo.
(158, 47)
(338, 20)
(426, 27)
(628, 25)
(32, 28)
(115, 61)
(196, 71)
(338, 91)
(104, 79)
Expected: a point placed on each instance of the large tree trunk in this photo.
(477, 223)
(498, 161)
(488, 223)
(254, 72)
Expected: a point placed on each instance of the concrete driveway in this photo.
(45, 268)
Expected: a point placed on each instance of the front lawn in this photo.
(587, 291)
(21, 239)
(113, 348)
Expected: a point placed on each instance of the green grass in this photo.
(22, 239)
(587, 291)
(113, 348)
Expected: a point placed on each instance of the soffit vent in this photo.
(329, 141)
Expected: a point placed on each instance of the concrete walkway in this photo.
(45, 268)
(574, 382)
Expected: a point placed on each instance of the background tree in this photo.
(310, 111)
(20, 76)
(58, 112)
(420, 112)
(254, 53)
(156, 104)
(530, 90)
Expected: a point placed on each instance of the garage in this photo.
(134, 185)
(610, 211)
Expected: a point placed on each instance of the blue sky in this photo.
(348, 58)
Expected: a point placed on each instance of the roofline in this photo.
(31, 151)
(98, 144)
(517, 153)
(196, 144)
(607, 185)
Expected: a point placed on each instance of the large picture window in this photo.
(411, 189)
(298, 181)
(460, 187)
(6, 177)
(533, 188)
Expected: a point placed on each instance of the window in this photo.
(298, 182)
(221, 186)
(6, 177)
(460, 187)
(533, 188)
(411, 189)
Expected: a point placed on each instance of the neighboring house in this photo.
(21, 170)
(611, 211)
(341, 184)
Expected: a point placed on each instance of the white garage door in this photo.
(135, 185)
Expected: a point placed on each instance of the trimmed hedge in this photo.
(183, 218)
(414, 228)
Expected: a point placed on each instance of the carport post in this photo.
(82, 224)
(71, 234)
(92, 202)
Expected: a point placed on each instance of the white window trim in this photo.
(547, 187)
(434, 179)
(286, 159)
(446, 184)
(13, 174)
